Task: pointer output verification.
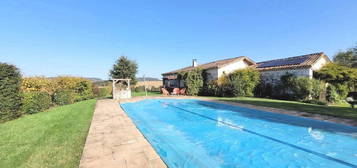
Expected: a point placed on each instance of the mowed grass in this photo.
(54, 138)
(134, 94)
(342, 111)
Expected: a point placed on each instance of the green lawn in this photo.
(342, 111)
(134, 94)
(54, 138)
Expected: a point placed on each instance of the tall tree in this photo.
(347, 58)
(124, 68)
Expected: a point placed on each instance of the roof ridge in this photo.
(224, 59)
(206, 64)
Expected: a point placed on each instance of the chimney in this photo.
(194, 62)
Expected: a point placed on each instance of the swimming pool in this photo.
(194, 133)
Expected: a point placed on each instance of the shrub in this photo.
(10, 94)
(318, 88)
(194, 81)
(63, 97)
(301, 88)
(41, 84)
(35, 102)
(291, 87)
(212, 89)
(101, 92)
(155, 89)
(342, 90)
(331, 94)
(82, 88)
(263, 90)
(139, 89)
(240, 83)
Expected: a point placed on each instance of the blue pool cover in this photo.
(194, 133)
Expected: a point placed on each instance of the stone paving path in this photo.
(114, 141)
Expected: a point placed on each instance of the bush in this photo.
(139, 89)
(263, 90)
(10, 94)
(63, 97)
(155, 89)
(194, 81)
(35, 102)
(331, 94)
(301, 88)
(291, 87)
(101, 92)
(342, 90)
(40, 84)
(318, 88)
(83, 90)
(240, 83)
(212, 89)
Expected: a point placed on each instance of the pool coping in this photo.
(320, 117)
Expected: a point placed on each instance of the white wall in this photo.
(319, 63)
(232, 67)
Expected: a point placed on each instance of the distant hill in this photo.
(148, 79)
(91, 79)
(95, 79)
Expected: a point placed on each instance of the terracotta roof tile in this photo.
(210, 65)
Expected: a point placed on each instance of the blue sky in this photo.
(84, 38)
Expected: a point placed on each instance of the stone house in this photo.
(302, 66)
(271, 71)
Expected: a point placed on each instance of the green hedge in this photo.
(10, 93)
(101, 92)
(139, 89)
(63, 97)
(35, 102)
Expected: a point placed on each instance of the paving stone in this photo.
(113, 141)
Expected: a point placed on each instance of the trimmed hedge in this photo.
(10, 93)
(82, 88)
(101, 92)
(63, 97)
(139, 89)
(35, 102)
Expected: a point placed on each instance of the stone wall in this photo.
(273, 76)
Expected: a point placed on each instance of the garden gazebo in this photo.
(121, 89)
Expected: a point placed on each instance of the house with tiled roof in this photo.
(302, 66)
(271, 70)
(213, 70)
